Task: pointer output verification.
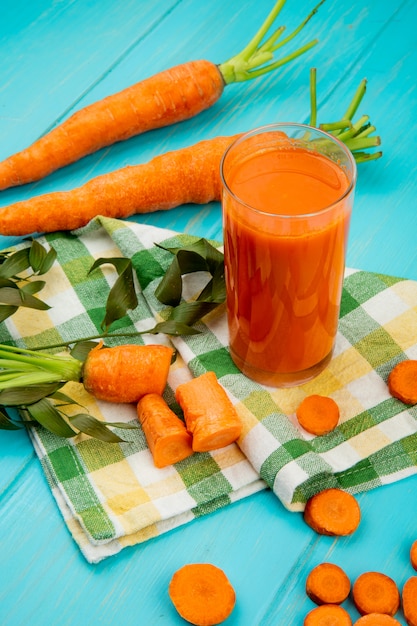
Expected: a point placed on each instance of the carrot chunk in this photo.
(374, 592)
(327, 583)
(413, 555)
(126, 373)
(318, 415)
(332, 512)
(208, 412)
(377, 619)
(328, 615)
(402, 381)
(202, 594)
(409, 598)
(168, 439)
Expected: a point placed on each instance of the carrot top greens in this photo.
(257, 57)
(16, 272)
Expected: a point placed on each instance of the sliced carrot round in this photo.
(402, 381)
(328, 615)
(413, 555)
(318, 415)
(202, 594)
(409, 598)
(332, 512)
(374, 592)
(327, 583)
(377, 619)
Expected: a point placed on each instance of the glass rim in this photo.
(280, 126)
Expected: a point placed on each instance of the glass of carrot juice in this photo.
(287, 195)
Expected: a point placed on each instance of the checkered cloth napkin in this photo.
(112, 496)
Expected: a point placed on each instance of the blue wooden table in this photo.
(59, 56)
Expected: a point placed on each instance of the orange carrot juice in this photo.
(286, 210)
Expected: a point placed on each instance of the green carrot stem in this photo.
(361, 157)
(341, 125)
(359, 143)
(313, 96)
(30, 379)
(250, 62)
(44, 367)
(299, 28)
(356, 100)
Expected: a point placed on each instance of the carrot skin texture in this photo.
(409, 600)
(209, 415)
(165, 98)
(202, 594)
(124, 374)
(189, 175)
(374, 592)
(167, 437)
(332, 512)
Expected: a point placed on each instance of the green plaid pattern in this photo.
(112, 496)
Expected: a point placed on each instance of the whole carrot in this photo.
(168, 97)
(188, 175)
(119, 374)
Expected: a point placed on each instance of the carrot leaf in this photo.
(122, 296)
(94, 428)
(6, 422)
(200, 256)
(48, 416)
(16, 288)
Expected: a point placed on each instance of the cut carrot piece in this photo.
(377, 619)
(413, 555)
(318, 415)
(409, 598)
(374, 592)
(202, 594)
(402, 381)
(208, 412)
(328, 615)
(327, 583)
(166, 434)
(126, 373)
(332, 512)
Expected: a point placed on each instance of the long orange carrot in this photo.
(188, 175)
(167, 437)
(209, 414)
(202, 594)
(168, 97)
